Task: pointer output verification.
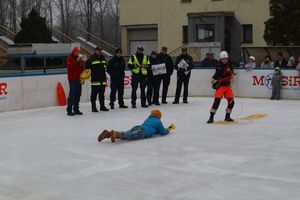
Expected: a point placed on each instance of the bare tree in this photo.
(87, 11)
(100, 14)
(4, 6)
(13, 15)
(67, 10)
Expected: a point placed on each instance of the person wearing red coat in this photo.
(74, 69)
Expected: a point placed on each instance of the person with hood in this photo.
(74, 69)
(276, 84)
(221, 83)
(153, 81)
(138, 64)
(116, 70)
(183, 65)
(166, 59)
(151, 126)
(97, 64)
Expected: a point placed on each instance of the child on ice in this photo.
(151, 126)
(276, 84)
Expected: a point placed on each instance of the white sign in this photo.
(183, 64)
(159, 69)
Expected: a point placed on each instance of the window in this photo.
(185, 34)
(205, 33)
(248, 33)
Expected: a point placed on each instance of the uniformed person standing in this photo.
(153, 81)
(116, 70)
(184, 65)
(165, 58)
(97, 64)
(138, 64)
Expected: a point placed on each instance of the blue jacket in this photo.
(153, 126)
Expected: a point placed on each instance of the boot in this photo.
(103, 108)
(103, 135)
(228, 118)
(115, 135)
(77, 112)
(71, 114)
(94, 107)
(123, 106)
(211, 118)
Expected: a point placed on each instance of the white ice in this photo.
(46, 155)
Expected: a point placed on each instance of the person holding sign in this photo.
(166, 59)
(183, 65)
(154, 79)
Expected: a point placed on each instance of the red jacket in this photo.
(74, 68)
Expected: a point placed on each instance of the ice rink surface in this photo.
(46, 155)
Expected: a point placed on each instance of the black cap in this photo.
(184, 49)
(140, 47)
(118, 50)
(98, 49)
(153, 53)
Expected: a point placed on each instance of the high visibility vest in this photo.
(97, 62)
(139, 67)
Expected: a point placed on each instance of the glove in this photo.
(85, 75)
(171, 127)
(215, 84)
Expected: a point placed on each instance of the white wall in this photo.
(40, 91)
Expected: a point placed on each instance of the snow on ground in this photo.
(46, 155)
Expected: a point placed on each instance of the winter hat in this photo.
(224, 54)
(252, 58)
(98, 49)
(156, 113)
(118, 50)
(75, 50)
(277, 68)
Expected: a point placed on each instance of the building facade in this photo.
(172, 23)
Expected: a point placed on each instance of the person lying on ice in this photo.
(151, 126)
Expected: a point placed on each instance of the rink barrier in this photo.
(37, 91)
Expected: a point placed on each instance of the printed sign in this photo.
(3, 91)
(288, 82)
(183, 64)
(159, 69)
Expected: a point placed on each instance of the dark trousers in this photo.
(117, 86)
(153, 86)
(165, 82)
(74, 96)
(185, 82)
(136, 80)
(98, 90)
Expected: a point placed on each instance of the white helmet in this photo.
(252, 58)
(224, 54)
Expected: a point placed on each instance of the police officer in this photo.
(138, 64)
(97, 64)
(116, 70)
(165, 58)
(183, 65)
